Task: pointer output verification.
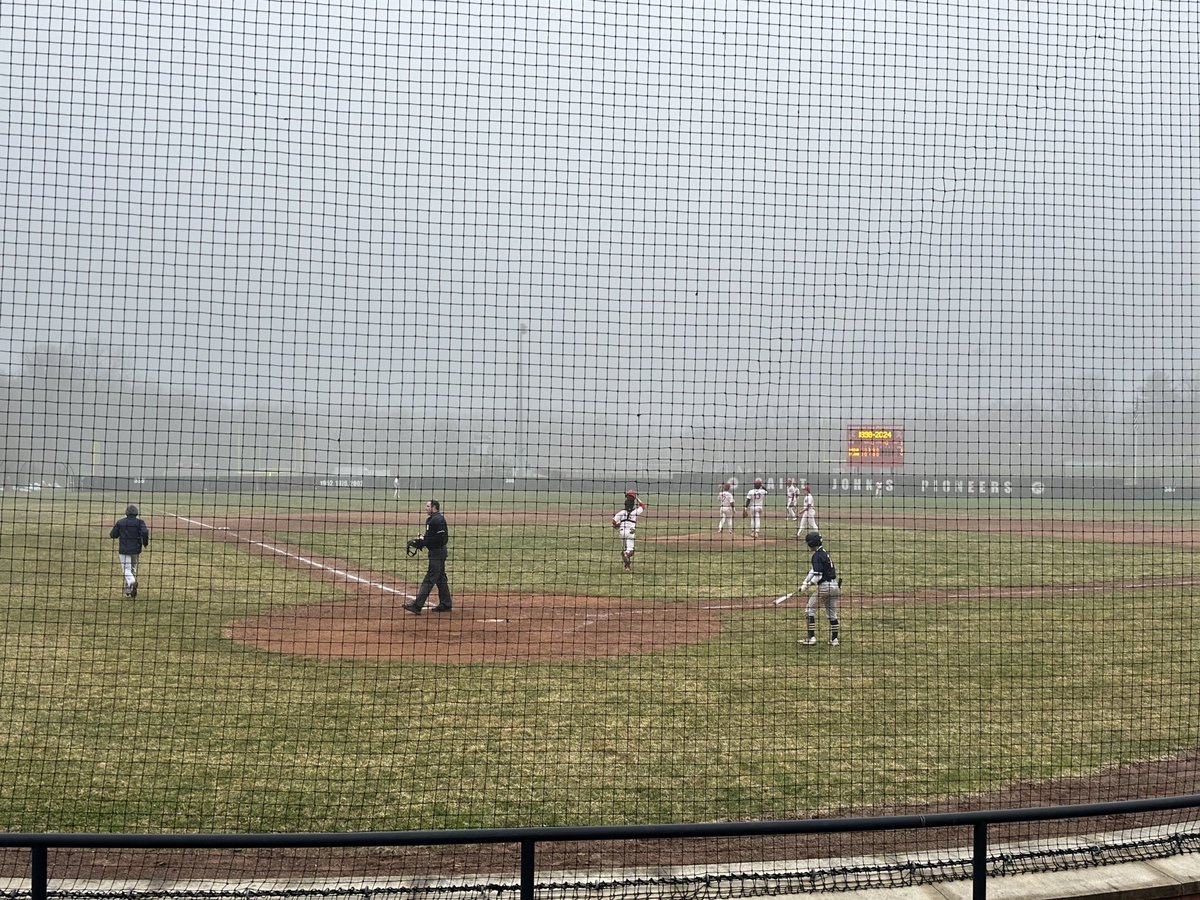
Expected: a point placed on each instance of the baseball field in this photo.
(267, 679)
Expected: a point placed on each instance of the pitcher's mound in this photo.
(482, 628)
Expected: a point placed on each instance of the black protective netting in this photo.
(279, 274)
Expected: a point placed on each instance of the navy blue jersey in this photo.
(823, 566)
(132, 534)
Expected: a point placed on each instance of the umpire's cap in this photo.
(812, 539)
(131, 510)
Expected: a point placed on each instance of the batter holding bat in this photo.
(823, 577)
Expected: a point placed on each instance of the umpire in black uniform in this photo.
(436, 540)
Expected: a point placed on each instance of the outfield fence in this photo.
(985, 862)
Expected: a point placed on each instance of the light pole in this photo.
(522, 331)
(1137, 441)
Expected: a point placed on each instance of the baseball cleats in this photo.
(441, 607)
(413, 608)
(809, 641)
(833, 642)
(133, 589)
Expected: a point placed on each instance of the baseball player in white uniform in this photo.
(808, 516)
(755, 498)
(725, 502)
(793, 495)
(625, 522)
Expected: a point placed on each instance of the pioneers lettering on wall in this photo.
(956, 487)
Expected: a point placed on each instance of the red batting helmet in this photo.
(758, 482)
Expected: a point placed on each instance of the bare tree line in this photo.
(68, 414)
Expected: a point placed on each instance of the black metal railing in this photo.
(529, 838)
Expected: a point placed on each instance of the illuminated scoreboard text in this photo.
(875, 445)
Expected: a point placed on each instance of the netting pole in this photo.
(527, 867)
(979, 862)
(37, 873)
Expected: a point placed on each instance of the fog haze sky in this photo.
(682, 211)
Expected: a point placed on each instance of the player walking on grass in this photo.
(725, 502)
(793, 495)
(132, 536)
(808, 516)
(625, 523)
(755, 498)
(823, 577)
(436, 540)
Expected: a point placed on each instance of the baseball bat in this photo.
(784, 598)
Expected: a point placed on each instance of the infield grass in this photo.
(119, 716)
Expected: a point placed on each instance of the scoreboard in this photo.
(875, 445)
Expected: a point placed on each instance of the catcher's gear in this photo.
(813, 539)
(413, 546)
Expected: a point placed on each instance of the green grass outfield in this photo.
(142, 716)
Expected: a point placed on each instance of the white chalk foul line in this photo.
(349, 576)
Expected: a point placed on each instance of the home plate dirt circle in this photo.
(486, 628)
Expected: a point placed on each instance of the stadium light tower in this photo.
(522, 332)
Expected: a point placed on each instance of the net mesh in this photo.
(279, 274)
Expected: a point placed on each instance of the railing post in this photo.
(979, 858)
(527, 868)
(37, 872)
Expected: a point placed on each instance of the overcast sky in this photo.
(679, 210)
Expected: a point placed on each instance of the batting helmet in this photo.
(812, 539)
(758, 482)
(631, 493)
(131, 510)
